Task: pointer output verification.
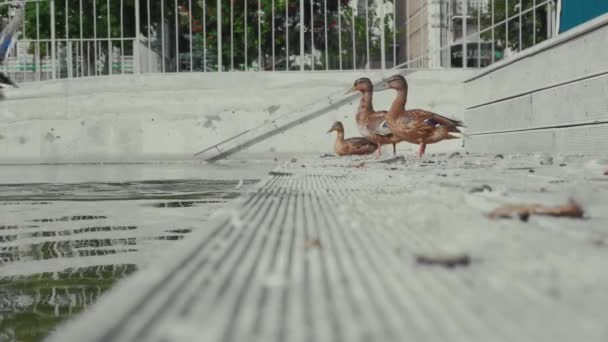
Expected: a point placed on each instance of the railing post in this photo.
(464, 33)
(407, 33)
(493, 41)
(479, 36)
(53, 42)
(301, 35)
(219, 35)
(136, 69)
(382, 37)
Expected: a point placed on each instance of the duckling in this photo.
(371, 123)
(416, 126)
(351, 146)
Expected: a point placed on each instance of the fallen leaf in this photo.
(448, 261)
(571, 209)
(606, 173)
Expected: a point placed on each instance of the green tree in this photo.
(203, 15)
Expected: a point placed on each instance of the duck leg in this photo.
(379, 150)
(394, 149)
(421, 150)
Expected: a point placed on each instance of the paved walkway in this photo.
(331, 249)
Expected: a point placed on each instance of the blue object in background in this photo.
(576, 12)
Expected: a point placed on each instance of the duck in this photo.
(371, 123)
(351, 146)
(416, 126)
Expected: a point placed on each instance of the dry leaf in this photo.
(313, 243)
(572, 209)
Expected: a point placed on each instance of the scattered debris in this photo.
(572, 209)
(327, 155)
(303, 165)
(279, 173)
(599, 242)
(531, 171)
(445, 260)
(313, 243)
(359, 165)
(546, 160)
(499, 156)
(563, 164)
(455, 154)
(442, 174)
(482, 188)
(239, 185)
(393, 160)
(293, 160)
(606, 173)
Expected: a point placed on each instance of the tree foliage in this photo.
(101, 19)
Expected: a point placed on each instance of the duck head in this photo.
(337, 126)
(396, 82)
(362, 84)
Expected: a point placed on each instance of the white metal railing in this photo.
(76, 38)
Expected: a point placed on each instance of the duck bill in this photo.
(331, 130)
(351, 90)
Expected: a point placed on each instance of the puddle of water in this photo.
(63, 245)
(31, 306)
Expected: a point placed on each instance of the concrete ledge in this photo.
(172, 116)
(572, 55)
(575, 103)
(546, 99)
(586, 138)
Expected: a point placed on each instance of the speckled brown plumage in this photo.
(371, 123)
(417, 126)
(351, 146)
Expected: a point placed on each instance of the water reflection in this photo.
(31, 306)
(63, 245)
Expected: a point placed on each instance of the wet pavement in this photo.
(69, 233)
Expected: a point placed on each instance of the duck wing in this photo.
(431, 119)
(376, 123)
(358, 141)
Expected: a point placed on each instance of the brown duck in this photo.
(351, 146)
(416, 126)
(371, 123)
